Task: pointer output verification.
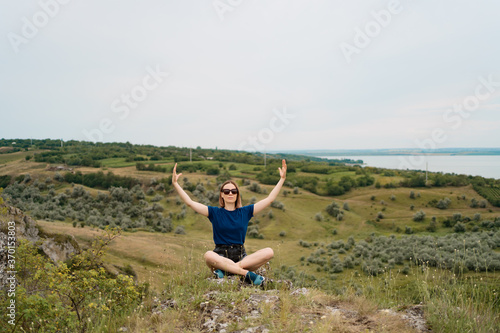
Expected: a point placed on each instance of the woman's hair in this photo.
(238, 196)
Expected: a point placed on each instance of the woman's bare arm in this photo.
(259, 206)
(196, 206)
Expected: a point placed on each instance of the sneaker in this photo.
(219, 274)
(254, 279)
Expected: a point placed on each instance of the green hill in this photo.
(386, 237)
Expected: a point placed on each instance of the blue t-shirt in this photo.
(230, 227)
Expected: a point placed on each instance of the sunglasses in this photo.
(233, 191)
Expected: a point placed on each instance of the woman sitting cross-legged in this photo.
(229, 224)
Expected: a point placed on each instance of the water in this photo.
(487, 166)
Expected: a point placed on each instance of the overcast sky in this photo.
(254, 75)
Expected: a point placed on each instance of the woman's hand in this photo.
(175, 176)
(282, 170)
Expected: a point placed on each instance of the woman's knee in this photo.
(210, 257)
(269, 253)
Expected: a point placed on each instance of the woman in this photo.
(229, 224)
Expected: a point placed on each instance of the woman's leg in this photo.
(255, 260)
(215, 261)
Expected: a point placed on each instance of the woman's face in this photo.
(232, 195)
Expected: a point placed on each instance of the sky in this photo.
(252, 75)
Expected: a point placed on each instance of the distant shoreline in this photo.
(396, 152)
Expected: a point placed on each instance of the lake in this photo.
(487, 166)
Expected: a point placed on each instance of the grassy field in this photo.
(162, 259)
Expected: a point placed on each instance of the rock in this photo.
(163, 305)
(58, 248)
(256, 299)
(415, 316)
(301, 291)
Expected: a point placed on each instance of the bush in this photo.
(474, 203)
(333, 209)
(419, 216)
(255, 188)
(443, 203)
(180, 230)
(319, 217)
(459, 227)
(213, 171)
(157, 198)
(304, 244)
(70, 296)
(278, 204)
(432, 226)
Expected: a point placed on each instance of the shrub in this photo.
(213, 171)
(180, 230)
(253, 231)
(278, 204)
(157, 198)
(318, 217)
(333, 209)
(346, 206)
(419, 216)
(443, 203)
(459, 227)
(335, 264)
(412, 195)
(474, 203)
(70, 295)
(304, 244)
(254, 187)
(432, 226)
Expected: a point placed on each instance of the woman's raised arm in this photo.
(259, 206)
(196, 206)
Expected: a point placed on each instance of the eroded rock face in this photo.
(58, 248)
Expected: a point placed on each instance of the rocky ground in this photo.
(338, 316)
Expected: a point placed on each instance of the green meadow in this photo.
(364, 248)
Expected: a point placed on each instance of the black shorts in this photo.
(233, 252)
